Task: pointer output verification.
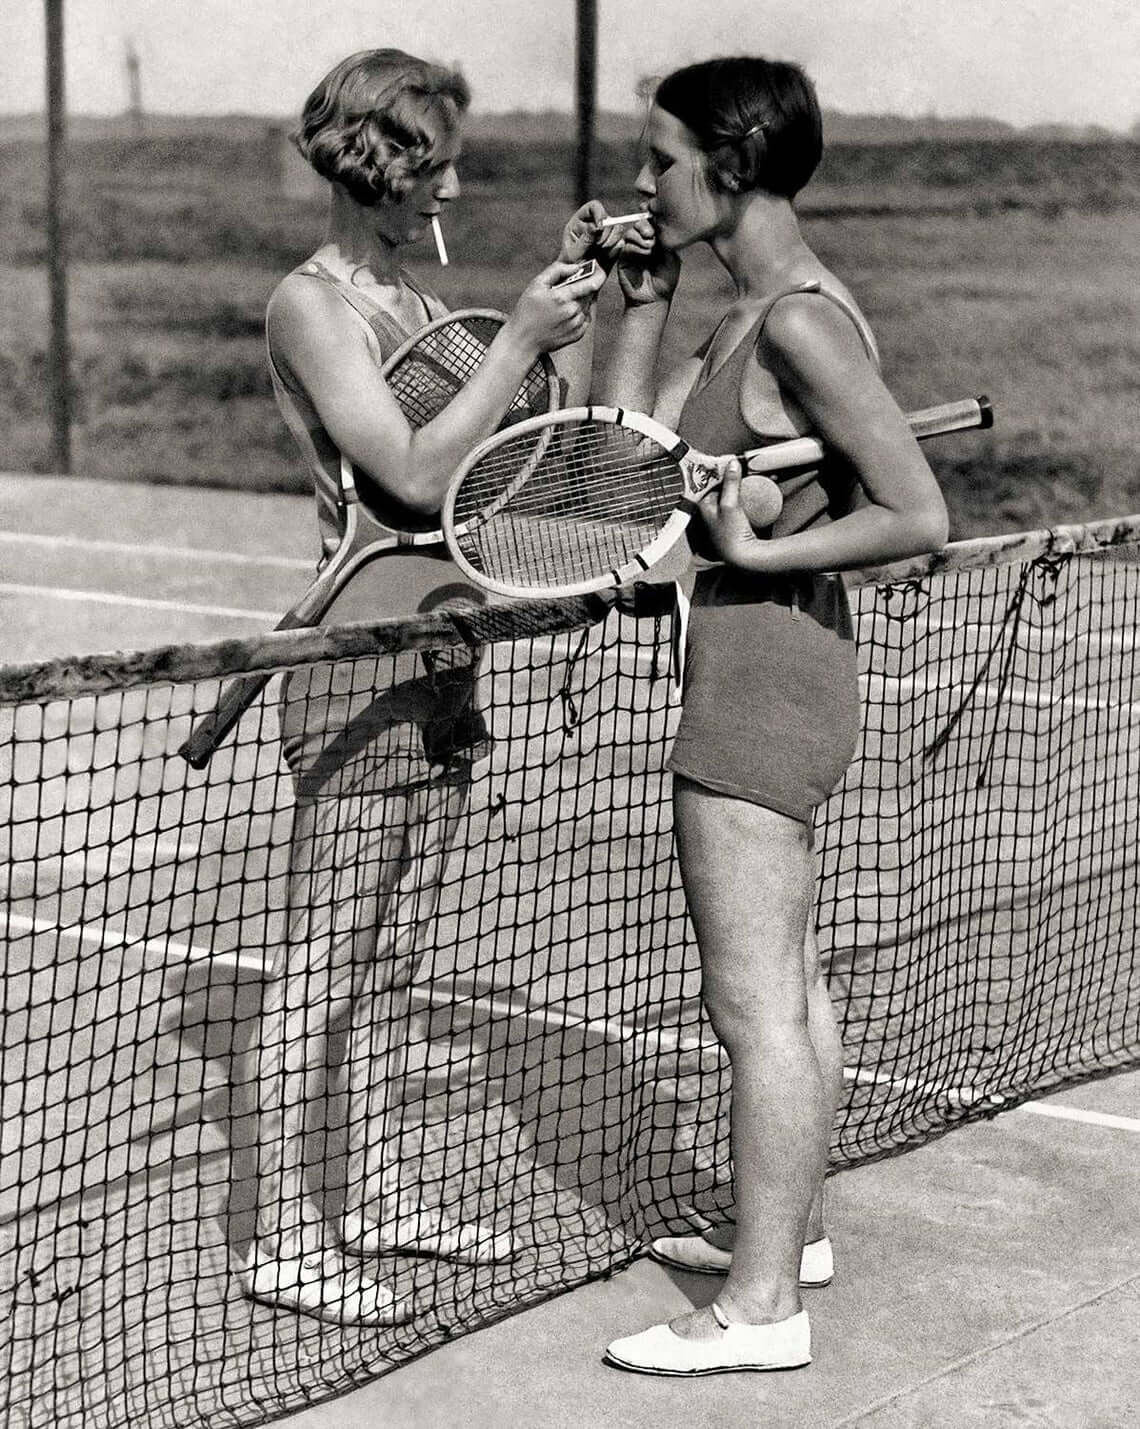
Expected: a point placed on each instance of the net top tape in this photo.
(499, 619)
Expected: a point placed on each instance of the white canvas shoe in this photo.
(318, 1285)
(698, 1256)
(659, 1350)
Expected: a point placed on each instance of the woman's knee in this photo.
(746, 1019)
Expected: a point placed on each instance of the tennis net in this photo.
(530, 1069)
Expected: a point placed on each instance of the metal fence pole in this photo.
(587, 88)
(59, 357)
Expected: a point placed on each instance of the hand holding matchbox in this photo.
(583, 270)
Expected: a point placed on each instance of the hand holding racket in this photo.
(590, 498)
(423, 374)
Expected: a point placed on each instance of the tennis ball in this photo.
(760, 500)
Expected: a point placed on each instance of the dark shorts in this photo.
(771, 694)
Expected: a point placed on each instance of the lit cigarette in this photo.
(437, 234)
(621, 218)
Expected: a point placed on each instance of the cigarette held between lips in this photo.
(621, 218)
(437, 234)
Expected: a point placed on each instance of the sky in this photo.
(1023, 61)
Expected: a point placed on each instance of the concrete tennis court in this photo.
(990, 1278)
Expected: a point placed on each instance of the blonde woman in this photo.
(381, 763)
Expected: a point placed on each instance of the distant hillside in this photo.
(553, 126)
(838, 128)
(19, 128)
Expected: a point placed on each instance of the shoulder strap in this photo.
(434, 307)
(814, 286)
(386, 328)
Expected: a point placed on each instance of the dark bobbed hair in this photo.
(757, 121)
(378, 119)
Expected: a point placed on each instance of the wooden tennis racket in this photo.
(424, 374)
(590, 498)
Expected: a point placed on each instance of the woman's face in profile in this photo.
(673, 179)
(406, 217)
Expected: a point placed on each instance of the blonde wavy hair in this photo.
(377, 120)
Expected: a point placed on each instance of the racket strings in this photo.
(437, 367)
(565, 503)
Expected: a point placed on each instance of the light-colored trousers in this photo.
(367, 863)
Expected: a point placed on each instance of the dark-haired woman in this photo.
(770, 710)
(380, 760)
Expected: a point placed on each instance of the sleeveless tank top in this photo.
(401, 582)
(712, 421)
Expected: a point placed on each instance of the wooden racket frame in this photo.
(700, 473)
(364, 538)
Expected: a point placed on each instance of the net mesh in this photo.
(446, 977)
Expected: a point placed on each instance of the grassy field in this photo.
(1001, 266)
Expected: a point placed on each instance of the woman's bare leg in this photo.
(749, 880)
(823, 1029)
(379, 1041)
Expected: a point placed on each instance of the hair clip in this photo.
(756, 128)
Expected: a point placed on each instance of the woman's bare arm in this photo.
(329, 352)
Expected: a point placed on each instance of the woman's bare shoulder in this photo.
(299, 294)
(304, 311)
(805, 328)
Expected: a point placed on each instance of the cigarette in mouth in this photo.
(440, 246)
(621, 218)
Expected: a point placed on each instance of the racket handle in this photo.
(960, 416)
(952, 417)
(208, 733)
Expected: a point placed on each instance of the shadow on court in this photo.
(988, 1280)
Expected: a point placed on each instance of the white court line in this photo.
(181, 553)
(103, 935)
(1046, 641)
(300, 563)
(500, 1005)
(506, 1006)
(612, 1031)
(911, 686)
(98, 597)
(1089, 1118)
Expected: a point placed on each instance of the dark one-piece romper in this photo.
(770, 709)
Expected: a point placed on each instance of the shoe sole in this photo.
(702, 1373)
(691, 1269)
